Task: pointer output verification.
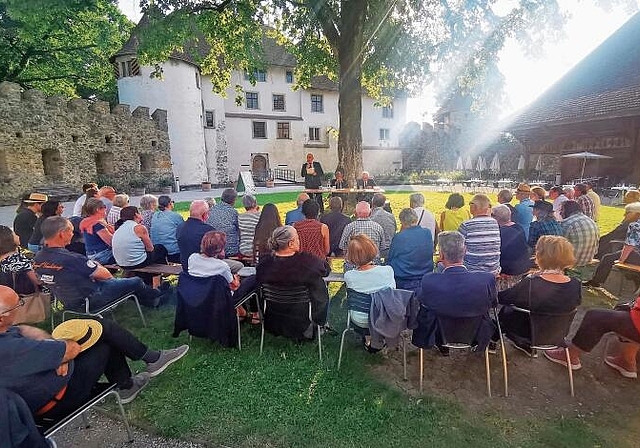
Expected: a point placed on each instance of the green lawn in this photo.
(285, 398)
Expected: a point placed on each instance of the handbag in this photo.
(36, 308)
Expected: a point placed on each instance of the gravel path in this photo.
(105, 432)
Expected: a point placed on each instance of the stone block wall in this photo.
(52, 140)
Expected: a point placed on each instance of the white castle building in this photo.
(213, 139)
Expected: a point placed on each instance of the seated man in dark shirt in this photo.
(73, 277)
(55, 376)
(336, 221)
(456, 293)
(365, 182)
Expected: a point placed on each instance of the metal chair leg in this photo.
(319, 343)
(262, 312)
(404, 355)
(239, 339)
(124, 418)
(344, 333)
(85, 420)
(421, 367)
(135, 299)
(566, 351)
(486, 363)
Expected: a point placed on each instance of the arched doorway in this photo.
(52, 164)
(260, 166)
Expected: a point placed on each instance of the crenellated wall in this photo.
(52, 140)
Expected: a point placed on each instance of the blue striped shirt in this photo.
(482, 236)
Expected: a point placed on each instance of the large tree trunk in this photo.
(350, 101)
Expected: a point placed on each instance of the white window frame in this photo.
(315, 102)
(314, 134)
(385, 134)
(280, 127)
(246, 100)
(273, 102)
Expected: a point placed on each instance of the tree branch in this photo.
(328, 21)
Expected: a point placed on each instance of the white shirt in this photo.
(201, 266)
(557, 206)
(77, 207)
(426, 220)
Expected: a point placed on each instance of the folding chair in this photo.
(355, 297)
(459, 333)
(548, 332)
(285, 296)
(99, 312)
(50, 427)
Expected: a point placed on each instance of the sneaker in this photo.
(559, 357)
(614, 363)
(167, 357)
(531, 353)
(140, 381)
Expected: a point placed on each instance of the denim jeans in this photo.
(114, 288)
(103, 257)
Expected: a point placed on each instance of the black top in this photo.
(23, 225)
(312, 181)
(189, 238)
(342, 184)
(514, 251)
(546, 296)
(336, 222)
(370, 183)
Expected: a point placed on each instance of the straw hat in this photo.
(85, 332)
(35, 198)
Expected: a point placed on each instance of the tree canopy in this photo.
(380, 47)
(62, 46)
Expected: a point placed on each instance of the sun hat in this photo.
(543, 205)
(523, 188)
(35, 198)
(634, 207)
(85, 332)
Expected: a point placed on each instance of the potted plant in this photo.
(138, 186)
(166, 184)
(206, 185)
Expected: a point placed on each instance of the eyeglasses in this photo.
(20, 303)
(471, 203)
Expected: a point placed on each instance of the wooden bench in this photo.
(629, 271)
(156, 270)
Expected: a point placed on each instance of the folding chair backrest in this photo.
(285, 294)
(458, 330)
(550, 329)
(358, 301)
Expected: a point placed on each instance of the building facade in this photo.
(214, 138)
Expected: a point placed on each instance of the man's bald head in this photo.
(8, 299)
(198, 209)
(301, 198)
(363, 209)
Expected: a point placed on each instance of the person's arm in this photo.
(517, 295)
(101, 273)
(142, 233)
(318, 169)
(235, 284)
(344, 239)
(105, 236)
(326, 243)
(33, 333)
(31, 275)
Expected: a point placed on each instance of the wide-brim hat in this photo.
(543, 205)
(523, 188)
(85, 332)
(35, 198)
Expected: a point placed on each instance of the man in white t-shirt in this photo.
(557, 195)
(426, 220)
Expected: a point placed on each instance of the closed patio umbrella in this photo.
(539, 165)
(468, 164)
(584, 156)
(481, 165)
(460, 164)
(495, 164)
(521, 163)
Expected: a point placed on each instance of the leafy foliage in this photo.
(61, 46)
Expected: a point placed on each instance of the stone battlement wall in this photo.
(54, 141)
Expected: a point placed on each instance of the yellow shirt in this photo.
(451, 219)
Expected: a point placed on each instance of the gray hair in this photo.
(210, 202)
(416, 200)
(281, 236)
(148, 201)
(408, 217)
(501, 213)
(53, 225)
(505, 195)
(121, 200)
(229, 196)
(452, 245)
(378, 200)
(249, 201)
